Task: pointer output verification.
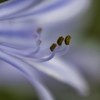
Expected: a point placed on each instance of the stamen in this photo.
(60, 40)
(62, 52)
(29, 54)
(38, 42)
(67, 39)
(65, 50)
(35, 58)
(22, 52)
(39, 30)
(53, 46)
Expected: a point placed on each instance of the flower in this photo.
(23, 47)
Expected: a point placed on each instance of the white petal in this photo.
(64, 72)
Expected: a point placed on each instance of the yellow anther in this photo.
(39, 30)
(60, 40)
(67, 39)
(53, 46)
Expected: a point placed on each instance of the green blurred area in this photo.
(17, 92)
(92, 30)
(20, 92)
(3, 1)
(94, 27)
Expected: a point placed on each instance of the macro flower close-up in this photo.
(35, 37)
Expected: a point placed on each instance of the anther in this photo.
(39, 30)
(67, 39)
(38, 42)
(60, 40)
(53, 46)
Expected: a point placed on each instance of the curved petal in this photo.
(65, 12)
(13, 7)
(43, 11)
(28, 7)
(64, 72)
(42, 91)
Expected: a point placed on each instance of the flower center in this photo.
(37, 55)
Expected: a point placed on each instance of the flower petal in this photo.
(13, 7)
(63, 72)
(43, 11)
(17, 33)
(42, 91)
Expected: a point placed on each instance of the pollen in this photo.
(39, 30)
(60, 40)
(67, 39)
(53, 46)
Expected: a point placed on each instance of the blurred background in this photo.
(84, 53)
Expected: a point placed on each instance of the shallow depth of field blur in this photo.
(85, 44)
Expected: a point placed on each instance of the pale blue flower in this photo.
(23, 47)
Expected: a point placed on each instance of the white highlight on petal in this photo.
(63, 13)
(63, 72)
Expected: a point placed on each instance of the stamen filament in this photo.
(29, 54)
(36, 58)
(62, 52)
(24, 52)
